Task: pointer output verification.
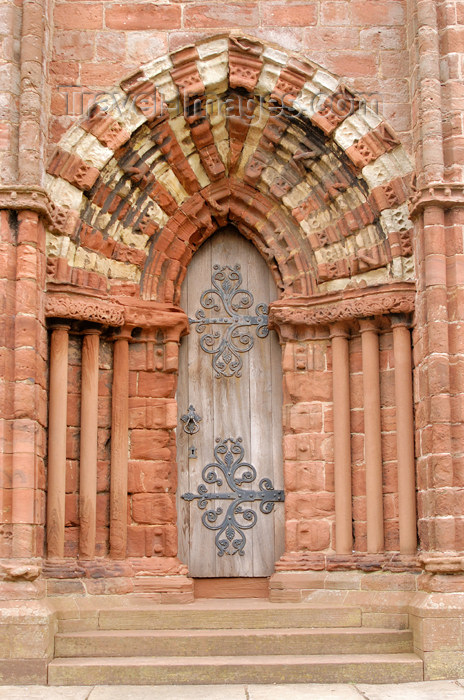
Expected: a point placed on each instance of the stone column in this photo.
(434, 423)
(372, 435)
(438, 249)
(33, 91)
(57, 441)
(429, 80)
(119, 448)
(88, 444)
(24, 379)
(405, 435)
(342, 438)
(11, 23)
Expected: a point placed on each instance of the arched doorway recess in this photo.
(230, 379)
(270, 142)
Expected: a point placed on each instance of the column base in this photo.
(362, 561)
(163, 578)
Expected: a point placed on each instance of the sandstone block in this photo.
(151, 477)
(311, 505)
(143, 16)
(153, 508)
(150, 444)
(313, 535)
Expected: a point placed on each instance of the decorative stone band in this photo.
(84, 309)
(21, 198)
(345, 305)
(446, 196)
(70, 569)
(129, 313)
(361, 561)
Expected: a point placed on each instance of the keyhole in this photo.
(193, 453)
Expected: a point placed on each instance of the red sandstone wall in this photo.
(308, 445)
(23, 403)
(152, 481)
(96, 43)
(9, 34)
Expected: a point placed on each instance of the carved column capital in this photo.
(22, 197)
(122, 333)
(340, 329)
(91, 330)
(368, 324)
(442, 195)
(60, 325)
(400, 320)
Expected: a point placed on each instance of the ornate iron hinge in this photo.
(226, 347)
(230, 537)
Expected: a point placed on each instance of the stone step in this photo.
(142, 670)
(235, 642)
(236, 615)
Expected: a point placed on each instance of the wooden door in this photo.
(229, 442)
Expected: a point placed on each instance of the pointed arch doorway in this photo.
(229, 434)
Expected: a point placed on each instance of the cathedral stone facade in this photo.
(312, 153)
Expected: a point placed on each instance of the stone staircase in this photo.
(233, 641)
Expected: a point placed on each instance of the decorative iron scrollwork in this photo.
(226, 348)
(191, 420)
(229, 465)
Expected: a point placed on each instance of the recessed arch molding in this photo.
(228, 130)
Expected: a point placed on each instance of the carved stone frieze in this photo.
(84, 309)
(131, 313)
(317, 311)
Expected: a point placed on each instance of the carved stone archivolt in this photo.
(293, 182)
